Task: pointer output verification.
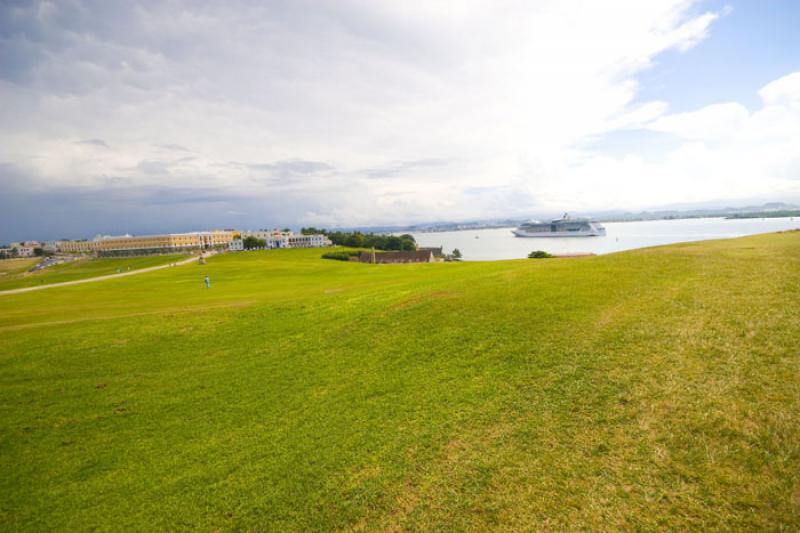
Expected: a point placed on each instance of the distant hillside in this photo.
(768, 214)
(774, 209)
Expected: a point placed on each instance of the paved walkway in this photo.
(101, 278)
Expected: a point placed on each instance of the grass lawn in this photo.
(14, 267)
(18, 276)
(650, 389)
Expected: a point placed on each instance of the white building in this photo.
(236, 245)
(284, 239)
(273, 238)
(308, 241)
(25, 251)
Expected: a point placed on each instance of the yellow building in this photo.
(145, 244)
(76, 247)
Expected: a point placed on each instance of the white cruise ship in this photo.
(565, 226)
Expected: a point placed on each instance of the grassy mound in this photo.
(649, 389)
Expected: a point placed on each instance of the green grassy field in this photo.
(652, 389)
(15, 274)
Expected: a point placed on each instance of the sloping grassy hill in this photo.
(79, 269)
(11, 268)
(651, 389)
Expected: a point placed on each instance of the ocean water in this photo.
(491, 244)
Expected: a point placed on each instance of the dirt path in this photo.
(101, 278)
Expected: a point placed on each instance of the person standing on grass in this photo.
(208, 283)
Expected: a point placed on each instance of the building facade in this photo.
(385, 258)
(76, 247)
(201, 240)
(285, 239)
(149, 244)
(273, 238)
(297, 240)
(22, 249)
(438, 252)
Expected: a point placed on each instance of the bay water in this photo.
(491, 244)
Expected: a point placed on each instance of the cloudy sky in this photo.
(167, 116)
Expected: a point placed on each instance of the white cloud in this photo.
(782, 92)
(407, 109)
(713, 122)
(726, 152)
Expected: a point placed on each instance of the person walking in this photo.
(208, 283)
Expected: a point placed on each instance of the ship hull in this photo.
(548, 234)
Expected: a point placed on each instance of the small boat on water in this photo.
(565, 226)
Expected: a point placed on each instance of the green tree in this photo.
(539, 254)
(456, 254)
(394, 243)
(357, 239)
(38, 252)
(250, 242)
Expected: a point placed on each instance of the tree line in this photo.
(13, 253)
(252, 242)
(357, 239)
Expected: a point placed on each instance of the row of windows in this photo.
(147, 242)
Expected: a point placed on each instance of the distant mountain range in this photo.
(769, 209)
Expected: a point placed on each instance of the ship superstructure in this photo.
(565, 226)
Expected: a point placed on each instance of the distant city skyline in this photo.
(145, 117)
